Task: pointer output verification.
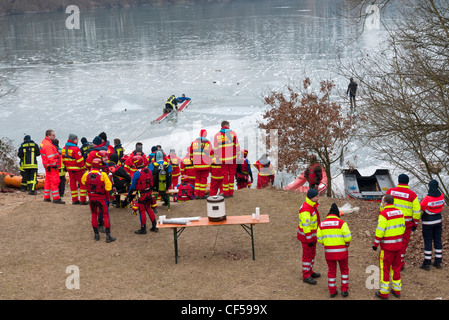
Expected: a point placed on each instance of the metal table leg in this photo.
(249, 230)
(176, 235)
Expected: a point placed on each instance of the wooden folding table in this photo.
(246, 222)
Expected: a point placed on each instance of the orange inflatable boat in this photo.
(299, 184)
(13, 181)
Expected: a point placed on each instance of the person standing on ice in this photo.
(352, 91)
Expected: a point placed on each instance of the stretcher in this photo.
(166, 114)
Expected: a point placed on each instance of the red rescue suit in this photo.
(50, 160)
(201, 154)
(216, 178)
(175, 162)
(143, 200)
(98, 186)
(75, 166)
(265, 177)
(188, 169)
(226, 148)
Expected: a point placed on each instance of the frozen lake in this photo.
(115, 72)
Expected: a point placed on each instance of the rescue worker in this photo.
(62, 170)
(175, 162)
(216, 178)
(186, 192)
(313, 173)
(201, 154)
(129, 165)
(432, 225)
(142, 183)
(335, 235)
(187, 168)
(226, 149)
(28, 153)
(389, 232)
(106, 144)
(152, 155)
(162, 172)
(243, 172)
(182, 98)
(119, 150)
(74, 163)
(50, 160)
(97, 145)
(121, 180)
(170, 104)
(85, 147)
(265, 177)
(309, 219)
(98, 186)
(406, 201)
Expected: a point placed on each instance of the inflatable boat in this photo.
(14, 181)
(301, 185)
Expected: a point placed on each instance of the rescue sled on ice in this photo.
(166, 114)
(371, 188)
(300, 184)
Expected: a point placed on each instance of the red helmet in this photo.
(102, 153)
(138, 161)
(97, 163)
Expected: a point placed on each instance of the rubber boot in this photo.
(108, 236)
(59, 201)
(154, 224)
(142, 230)
(101, 226)
(96, 234)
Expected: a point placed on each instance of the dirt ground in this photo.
(39, 241)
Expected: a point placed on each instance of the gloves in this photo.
(413, 228)
(374, 248)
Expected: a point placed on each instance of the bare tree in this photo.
(309, 124)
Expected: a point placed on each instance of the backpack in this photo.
(161, 177)
(313, 179)
(185, 192)
(94, 184)
(145, 182)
